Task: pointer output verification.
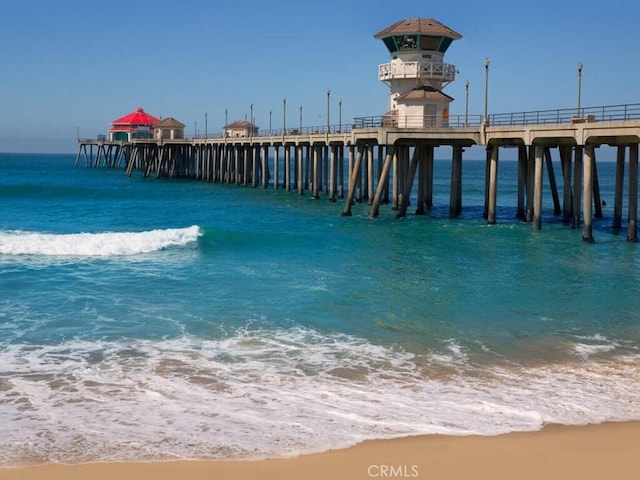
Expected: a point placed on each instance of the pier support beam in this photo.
(422, 175)
(395, 180)
(455, 194)
(287, 167)
(315, 172)
(597, 201)
(632, 230)
(487, 169)
(537, 188)
(492, 187)
(276, 167)
(567, 193)
(418, 152)
(529, 184)
(332, 173)
(300, 168)
(617, 202)
(370, 174)
(265, 166)
(428, 155)
(522, 181)
(587, 195)
(577, 187)
(340, 151)
(247, 152)
(375, 206)
(236, 164)
(353, 181)
(552, 181)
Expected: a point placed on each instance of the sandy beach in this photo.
(586, 452)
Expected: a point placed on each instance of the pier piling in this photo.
(587, 220)
(632, 230)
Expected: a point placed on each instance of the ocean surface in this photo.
(146, 319)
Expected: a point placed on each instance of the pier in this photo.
(382, 159)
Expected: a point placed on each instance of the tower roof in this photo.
(240, 124)
(170, 122)
(425, 92)
(137, 117)
(414, 26)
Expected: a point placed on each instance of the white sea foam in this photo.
(276, 393)
(593, 345)
(102, 244)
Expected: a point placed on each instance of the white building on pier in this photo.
(417, 73)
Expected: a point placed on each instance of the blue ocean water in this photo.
(145, 319)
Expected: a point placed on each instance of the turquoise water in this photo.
(145, 319)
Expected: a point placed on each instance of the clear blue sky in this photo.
(69, 65)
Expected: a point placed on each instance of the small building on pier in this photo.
(240, 129)
(169, 129)
(136, 125)
(417, 73)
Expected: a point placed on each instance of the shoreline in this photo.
(608, 450)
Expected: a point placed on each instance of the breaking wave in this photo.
(103, 244)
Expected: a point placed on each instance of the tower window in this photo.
(407, 42)
(391, 45)
(445, 44)
(429, 43)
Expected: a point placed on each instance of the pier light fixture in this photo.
(486, 87)
(328, 106)
(206, 126)
(300, 126)
(579, 85)
(270, 112)
(340, 116)
(226, 117)
(466, 104)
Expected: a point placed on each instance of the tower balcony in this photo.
(444, 72)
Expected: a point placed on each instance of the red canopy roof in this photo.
(139, 117)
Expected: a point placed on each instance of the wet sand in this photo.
(610, 450)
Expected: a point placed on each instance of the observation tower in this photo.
(417, 73)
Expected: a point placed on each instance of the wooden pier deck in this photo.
(384, 163)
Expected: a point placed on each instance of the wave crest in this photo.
(103, 244)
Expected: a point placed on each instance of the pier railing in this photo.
(418, 121)
(608, 113)
(279, 132)
(437, 70)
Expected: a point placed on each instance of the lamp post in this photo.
(466, 104)
(206, 126)
(340, 116)
(300, 127)
(251, 120)
(579, 85)
(284, 115)
(486, 87)
(328, 104)
(270, 112)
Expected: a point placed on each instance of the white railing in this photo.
(437, 70)
(418, 121)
